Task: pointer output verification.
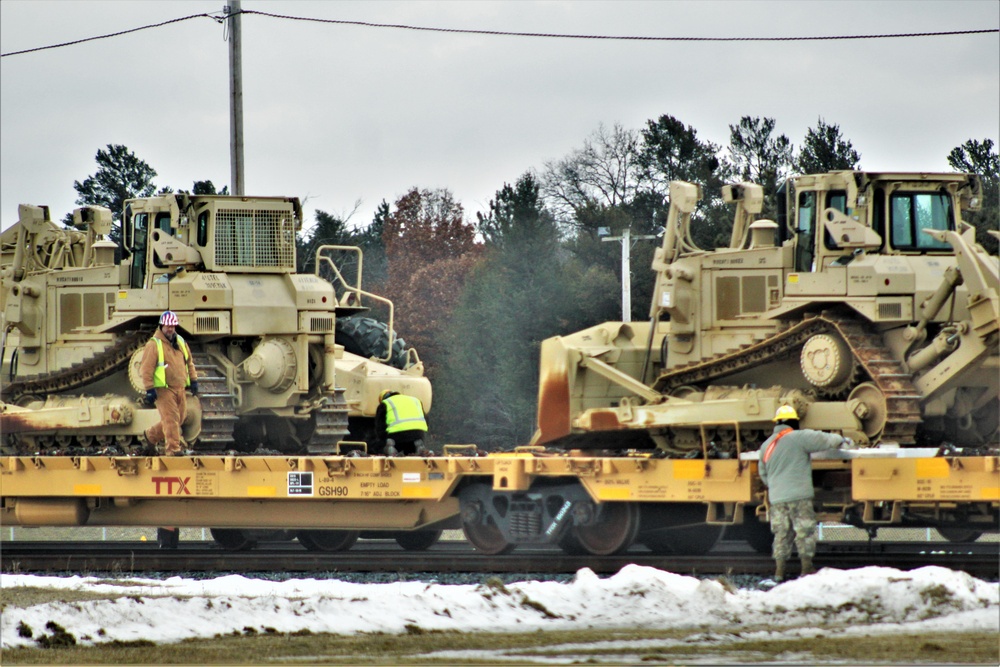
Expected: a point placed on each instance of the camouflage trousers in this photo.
(794, 523)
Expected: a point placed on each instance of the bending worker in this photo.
(400, 423)
(167, 369)
(786, 470)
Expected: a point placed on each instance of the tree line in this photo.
(477, 298)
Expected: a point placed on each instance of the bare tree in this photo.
(604, 173)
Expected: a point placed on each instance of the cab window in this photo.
(163, 224)
(140, 222)
(836, 199)
(805, 230)
(203, 229)
(912, 212)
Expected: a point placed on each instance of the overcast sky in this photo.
(339, 113)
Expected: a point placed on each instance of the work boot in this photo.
(779, 570)
(807, 566)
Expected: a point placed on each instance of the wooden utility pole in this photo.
(232, 11)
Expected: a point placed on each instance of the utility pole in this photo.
(626, 238)
(232, 12)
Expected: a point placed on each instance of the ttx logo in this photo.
(175, 486)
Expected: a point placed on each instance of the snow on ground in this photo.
(874, 599)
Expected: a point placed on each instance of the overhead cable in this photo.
(634, 38)
(507, 33)
(113, 34)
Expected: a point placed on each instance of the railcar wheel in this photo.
(328, 540)
(571, 545)
(418, 540)
(959, 535)
(613, 532)
(487, 538)
(758, 535)
(693, 541)
(232, 539)
(678, 528)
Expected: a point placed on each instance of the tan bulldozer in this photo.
(287, 361)
(867, 305)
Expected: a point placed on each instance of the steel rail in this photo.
(371, 556)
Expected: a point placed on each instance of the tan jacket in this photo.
(173, 357)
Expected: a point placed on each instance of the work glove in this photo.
(848, 444)
(193, 388)
(150, 396)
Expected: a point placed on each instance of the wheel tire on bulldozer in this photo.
(367, 337)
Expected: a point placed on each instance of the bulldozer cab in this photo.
(135, 243)
(831, 218)
(163, 235)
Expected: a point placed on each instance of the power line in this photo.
(113, 34)
(506, 33)
(634, 38)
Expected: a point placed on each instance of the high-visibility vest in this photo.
(404, 413)
(774, 443)
(160, 374)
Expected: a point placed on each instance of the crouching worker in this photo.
(167, 369)
(785, 468)
(400, 423)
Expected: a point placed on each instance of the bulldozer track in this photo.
(219, 414)
(331, 425)
(902, 399)
(97, 367)
(218, 407)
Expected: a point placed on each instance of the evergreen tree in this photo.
(760, 156)
(328, 230)
(824, 149)
(672, 151)
(120, 175)
(208, 188)
(522, 293)
(980, 158)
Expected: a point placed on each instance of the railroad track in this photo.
(977, 559)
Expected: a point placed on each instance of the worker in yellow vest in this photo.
(167, 369)
(400, 424)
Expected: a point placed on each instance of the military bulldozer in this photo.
(867, 305)
(286, 361)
